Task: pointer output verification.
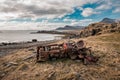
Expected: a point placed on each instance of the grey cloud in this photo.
(7, 9)
(33, 10)
(45, 8)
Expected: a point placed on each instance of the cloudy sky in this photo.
(50, 14)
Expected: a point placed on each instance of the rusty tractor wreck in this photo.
(70, 49)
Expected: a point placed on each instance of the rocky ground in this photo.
(21, 64)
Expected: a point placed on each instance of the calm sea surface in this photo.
(23, 35)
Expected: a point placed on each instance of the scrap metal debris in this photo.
(70, 49)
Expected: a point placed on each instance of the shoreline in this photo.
(19, 45)
(67, 34)
(16, 37)
(8, 49)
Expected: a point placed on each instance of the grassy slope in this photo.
(110, 42)
(106, 46)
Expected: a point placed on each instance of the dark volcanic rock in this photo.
(34, 40)
(67, 27)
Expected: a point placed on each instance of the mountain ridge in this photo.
(67, 27)
(109, 20)
(104, 20)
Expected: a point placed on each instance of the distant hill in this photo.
(105, 20)
(100, 28)
(67, 27)
(91, 30)
(108, 20)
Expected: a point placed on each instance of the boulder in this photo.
(34, 40)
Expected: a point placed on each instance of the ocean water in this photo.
(23, 35)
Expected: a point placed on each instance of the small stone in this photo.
(34, 40)
(78, 60)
